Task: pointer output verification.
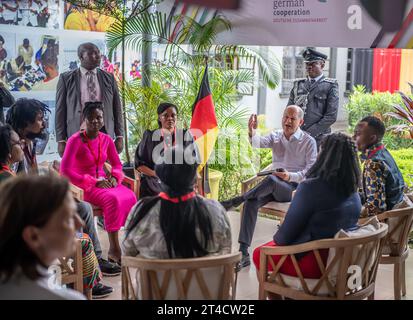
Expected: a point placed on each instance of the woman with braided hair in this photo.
(334, 178)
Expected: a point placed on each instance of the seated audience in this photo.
(293, 152)
(383, 182)
(324, 203)
(177, 223)
(38, 224)
(166, 135)
(11, 151)
(26, 117)
(83, 163)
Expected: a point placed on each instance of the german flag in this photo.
(204, 126)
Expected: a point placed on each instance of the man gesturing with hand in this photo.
(293, 152)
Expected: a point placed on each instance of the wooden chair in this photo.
(335, 282)
(273, 208)
(72, 270)
(138, 183)
(211, 277)
(396, 249)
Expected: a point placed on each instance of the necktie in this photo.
(91, 86)
(312, 81)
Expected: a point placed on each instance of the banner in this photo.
(318, 23)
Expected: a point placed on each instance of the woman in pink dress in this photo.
(83, 160)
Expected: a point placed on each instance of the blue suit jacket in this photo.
(317, 212)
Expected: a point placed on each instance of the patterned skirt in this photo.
(91, 270)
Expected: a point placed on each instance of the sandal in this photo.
(118, 262)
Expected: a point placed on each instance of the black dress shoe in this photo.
(101, 222)
(245, 261)
(108, 268)
(100, 291)
(234, 202)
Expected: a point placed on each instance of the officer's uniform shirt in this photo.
(319, 100)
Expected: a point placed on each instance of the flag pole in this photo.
(205, 172)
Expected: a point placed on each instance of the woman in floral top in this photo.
(177, 223)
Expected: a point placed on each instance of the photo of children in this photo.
(29, 63)
(30, 13)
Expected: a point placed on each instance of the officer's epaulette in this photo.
(331, 80)
(300, 79)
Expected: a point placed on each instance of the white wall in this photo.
(275, 104)
(341, 72)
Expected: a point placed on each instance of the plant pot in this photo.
(215, 177)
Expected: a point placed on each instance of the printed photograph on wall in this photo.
(30, 13)
(29, 62)
(70, 59)
(46, 149)
(77, 18)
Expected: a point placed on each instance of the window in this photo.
(294, 68)
(359, 68)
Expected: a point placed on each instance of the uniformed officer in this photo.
(317, 96)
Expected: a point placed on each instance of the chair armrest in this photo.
(246, 184)
(77, 192)
(381, 217)
(129, 183)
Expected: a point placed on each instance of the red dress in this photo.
(308, 264)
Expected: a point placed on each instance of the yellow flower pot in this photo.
(214, 179)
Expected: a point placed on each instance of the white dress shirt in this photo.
(84, 91)
(296, 155)
(316, 78)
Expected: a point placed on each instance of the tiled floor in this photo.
(247, 282)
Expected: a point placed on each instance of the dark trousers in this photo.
(85, 212)
(271, 188)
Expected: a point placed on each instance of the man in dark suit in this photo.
(317, 96)
(87, 83)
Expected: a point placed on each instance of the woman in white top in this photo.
(38, 223)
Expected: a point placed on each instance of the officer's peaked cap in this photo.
(311, 55)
